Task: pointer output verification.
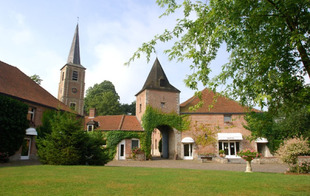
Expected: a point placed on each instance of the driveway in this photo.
(195, 164)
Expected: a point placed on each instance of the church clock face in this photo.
(74, 90)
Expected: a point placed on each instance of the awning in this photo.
(229, 136)
(187, 140)
(31, 131)
(261, 140)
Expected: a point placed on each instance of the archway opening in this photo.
(167, 145)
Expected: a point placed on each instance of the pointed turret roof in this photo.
(74, 54)
(157, 80)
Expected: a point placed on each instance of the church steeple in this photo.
(74, 54)
(72, 78)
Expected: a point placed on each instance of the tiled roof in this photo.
(157, 80)
(15, 83)
(116, 122)
(222, 104)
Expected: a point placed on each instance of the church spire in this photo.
(74, 54)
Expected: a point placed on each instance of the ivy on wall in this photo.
(13, 123)
(154, 118)
(115, 137)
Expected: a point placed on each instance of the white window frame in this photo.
(90, 128)
(32, 112)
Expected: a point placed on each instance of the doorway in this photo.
(121, 150)
(188, 151)
(25, 149)
(231, 148)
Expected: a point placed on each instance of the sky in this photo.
(36, 37)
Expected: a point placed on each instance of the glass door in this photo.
(188, 151)
(25, 149)
(230, 147)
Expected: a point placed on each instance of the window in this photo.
(72, 106)
(63, 76)
(162, 104)
(162, 82)
(140, 108)
(31, 112)
(90, 127)
(134, 143)
(227, 118)
(155, 143)
(75, 75)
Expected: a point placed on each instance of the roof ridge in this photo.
(122, 122)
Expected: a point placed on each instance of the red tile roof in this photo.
(222, 104)
(116, 122)
(15, 83)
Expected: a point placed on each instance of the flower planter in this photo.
(205, 159)
(139, 157)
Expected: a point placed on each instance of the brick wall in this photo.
(235, 126)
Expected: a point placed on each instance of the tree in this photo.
(104, 98)
(68, 144)
(287, 123)
(13, 124)
(36, 78)
(268, 41)
(129, 108)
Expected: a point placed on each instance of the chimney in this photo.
(92, 113)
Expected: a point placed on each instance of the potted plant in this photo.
(222, 153)
(248, 155)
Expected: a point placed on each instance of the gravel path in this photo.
(195, 164)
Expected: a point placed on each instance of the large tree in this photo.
(104, 98)
(268, 42)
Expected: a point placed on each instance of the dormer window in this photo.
(90, 127)
(75, 75)
(162, 82)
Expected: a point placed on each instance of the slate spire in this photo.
(158, 80)
(74, 54)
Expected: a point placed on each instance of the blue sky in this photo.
(36, 37)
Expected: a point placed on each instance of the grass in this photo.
(92, 180)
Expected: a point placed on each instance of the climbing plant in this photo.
(115, 137)
(154, 118)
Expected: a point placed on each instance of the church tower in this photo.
(157, 92)
(72, 78)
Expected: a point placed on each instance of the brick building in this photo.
(17, 85)
(225, 117)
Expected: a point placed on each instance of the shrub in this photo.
(13, 123)
(68, 144)
(291, 149)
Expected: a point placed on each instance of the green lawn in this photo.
(92, 180)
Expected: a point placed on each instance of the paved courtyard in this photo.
(162, 163)
(195, 164)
